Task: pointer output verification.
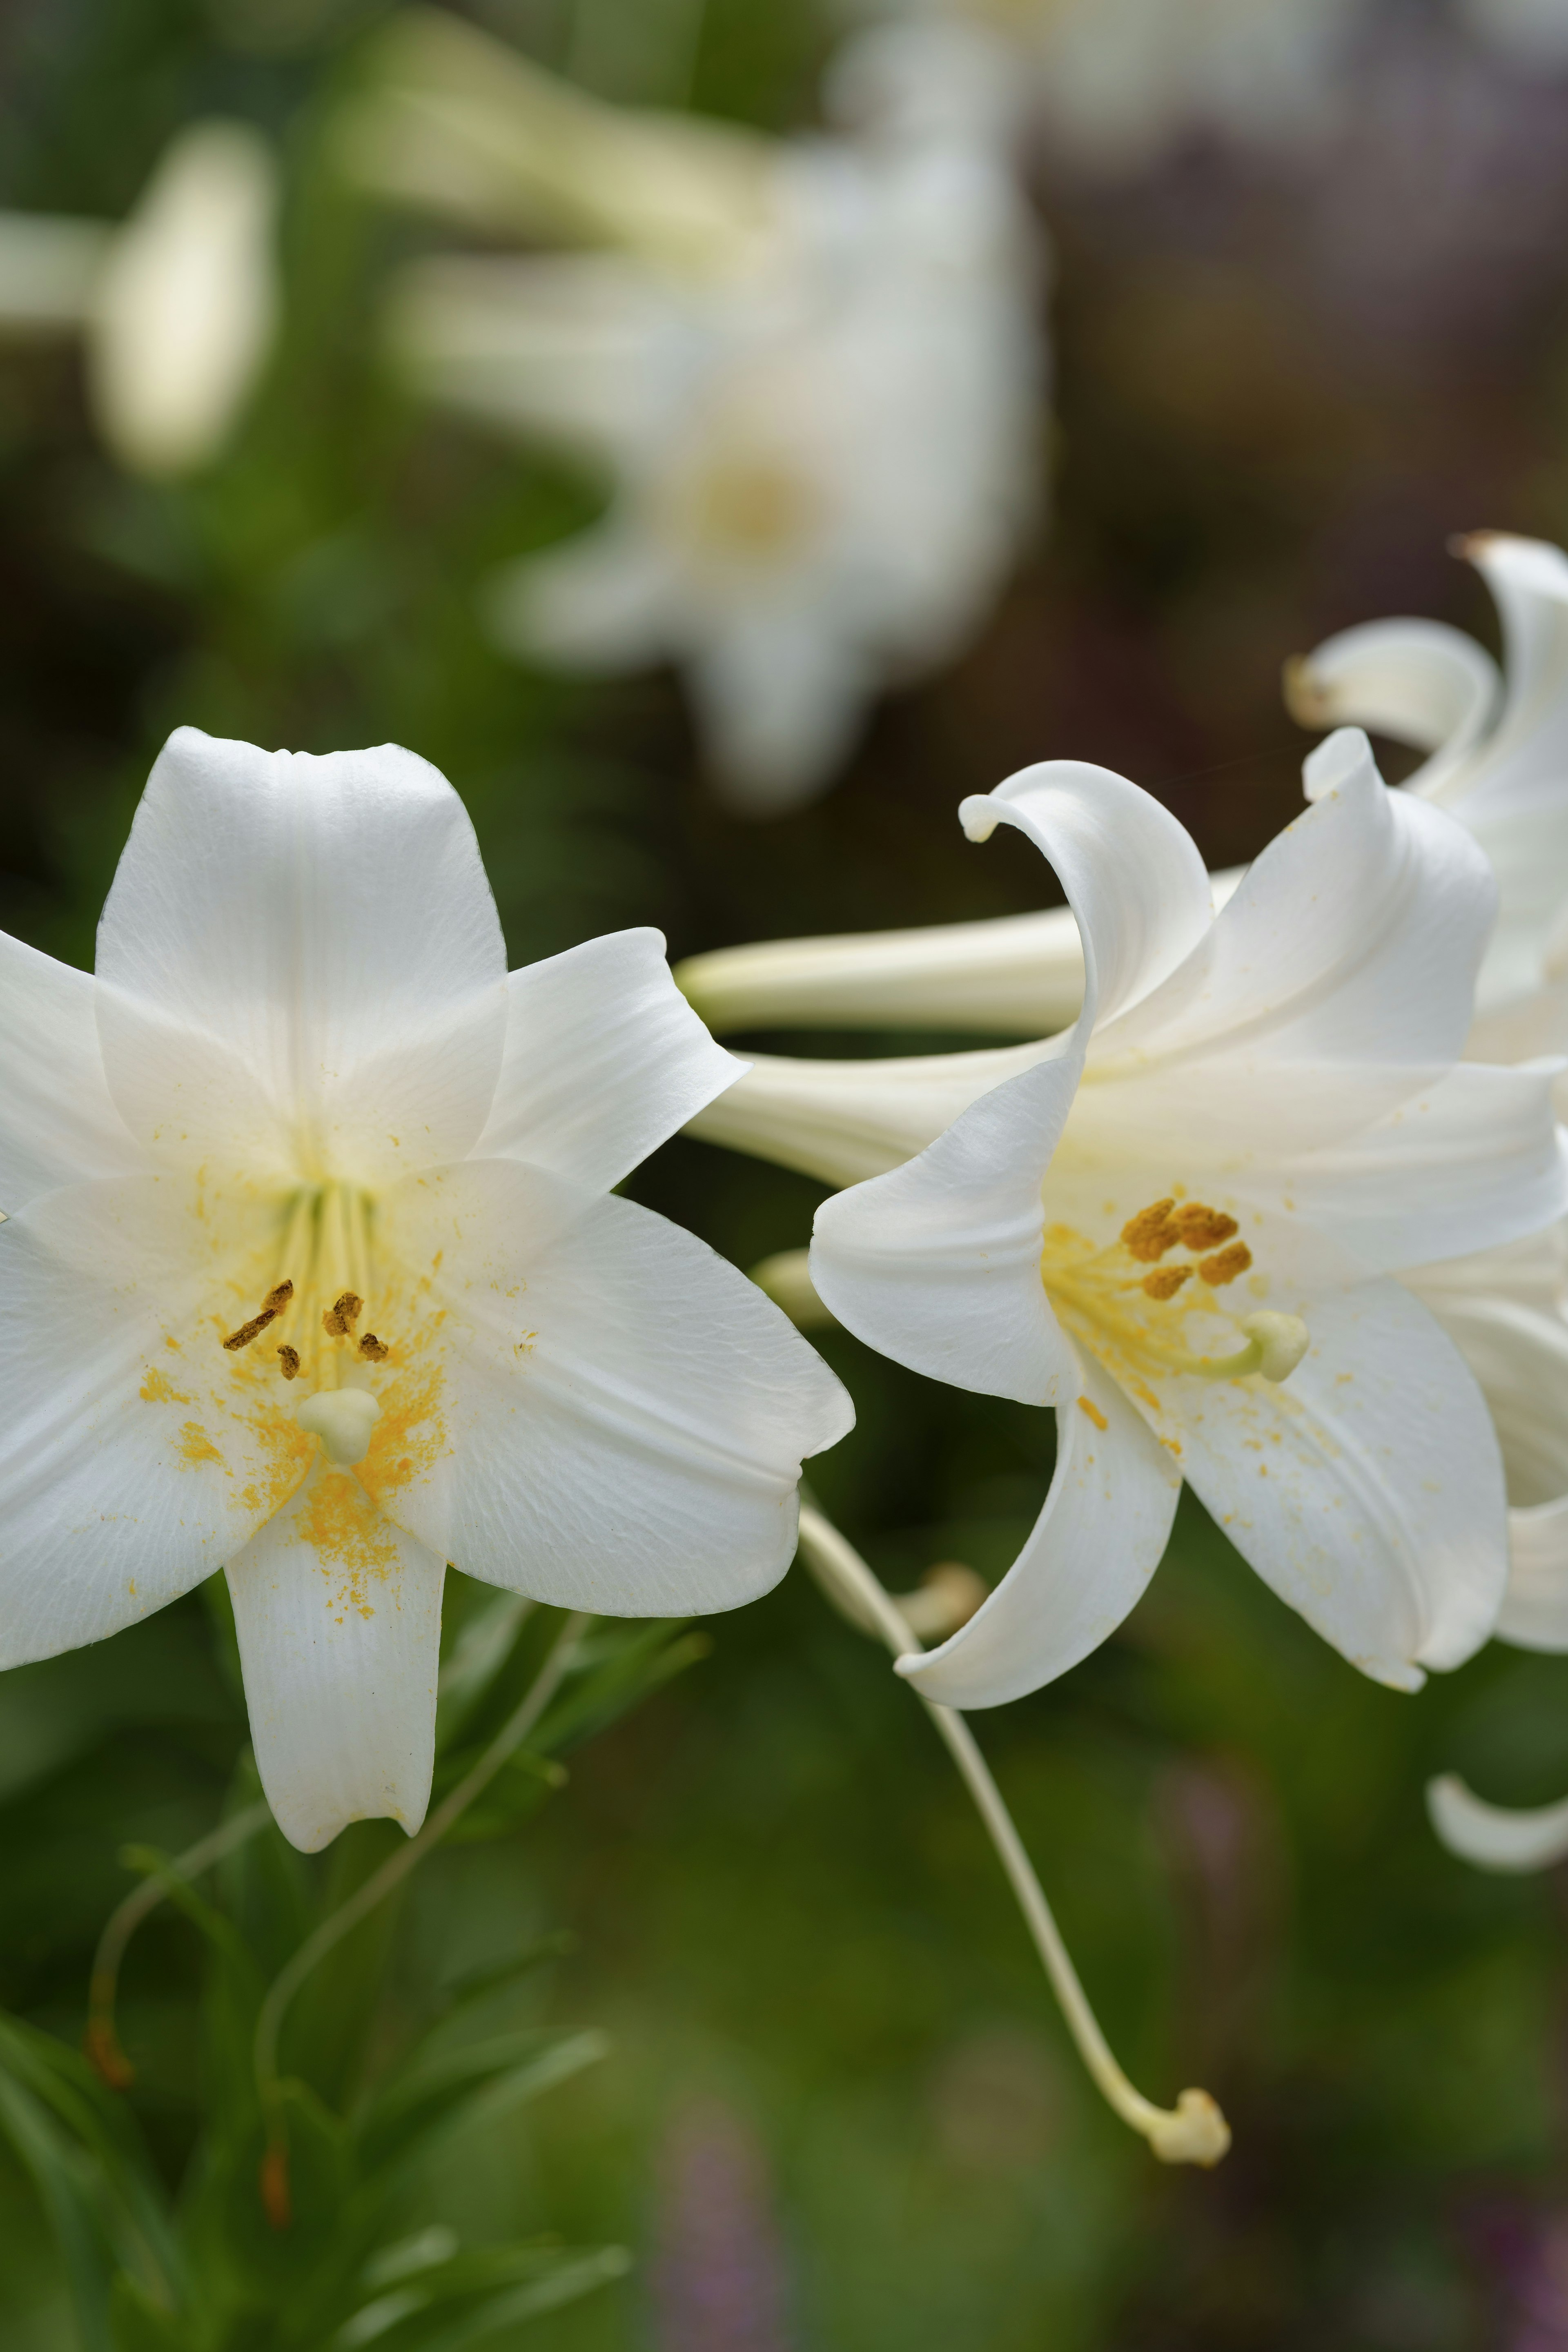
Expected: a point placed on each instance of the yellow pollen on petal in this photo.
(196, 1447)
(1087, 1406)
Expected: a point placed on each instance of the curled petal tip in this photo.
(1305, 698)
(1496, 1837)
(977, 816)
(1195, 2132)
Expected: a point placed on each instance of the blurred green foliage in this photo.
(780, 1902)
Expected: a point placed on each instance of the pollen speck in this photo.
(1149, 1234)
(158, 1389)
(1087, 1405)
(1224, 1266)
(196, 1447)
(1166, 1281)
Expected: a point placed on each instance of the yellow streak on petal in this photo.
(158, 1388)
(348, 1535)
(196, 1447)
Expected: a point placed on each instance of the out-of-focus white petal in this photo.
(1093, 1549)
(453, 120)
(339, 1619)
(606, 1415)
(559, 346)
(1132, 876)
(1528, 750)
(781, 698)
(1419, 681)
(186, 303)
(1366, 1488)
(937, 1264)
(49, 269)
(599, 602)
(1353, 939)
(136, 1454)
(605, 1060)
(1534, 1611)
(58, 1122)
(300, 962)
(1474, 1161)
(1496, 1837)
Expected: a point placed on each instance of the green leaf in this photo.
(454, 2090)
(456, 2305)
(137, 2324)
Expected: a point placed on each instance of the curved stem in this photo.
(1195, 2131)
(101, 2041)
(376, 1889)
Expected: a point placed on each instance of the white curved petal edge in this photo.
(186, 304)
(58, 1124)
(339, 1619)
(1098, 1541)
(607, 1415)
(604, 1061)
(1132, 876)
(301, 953)
(1419, 681)
(1496, 1837)
(937, 1264)
(1534, 1613)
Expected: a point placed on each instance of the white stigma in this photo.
(1281, 1341)
(342, 1419)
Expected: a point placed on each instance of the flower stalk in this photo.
(1195, 2131)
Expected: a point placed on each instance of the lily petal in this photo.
(58, 1122)
(1133, 877)
(610, 1416)
(339, 1617)
(1419, 681)
(136, 1454)
(1529, 580)
(1098, 1541)
(301, 958)
(1367, 1489)
(1353, 943)
(605, 1060)
(937, 1264)
(1496, 1837)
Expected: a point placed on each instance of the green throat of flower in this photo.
(1132, 1301)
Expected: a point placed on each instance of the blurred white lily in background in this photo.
(177, 307)
(817, 399)
(1175, 1222)
(314, 1270)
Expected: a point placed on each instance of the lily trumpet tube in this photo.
(1176, 1223)
(315, 1271)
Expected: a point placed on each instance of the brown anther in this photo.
(288, 1362)
(278, 1298)
(1150, 1232)
(1166, 1281)
(247, 1332)
(342, 1314)
(1228, 1263)
(374, 1348)
(1201, 1228)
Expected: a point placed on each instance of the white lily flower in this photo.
(315, 1270)
(178, 307)
(821, 449)
(1176, 1222)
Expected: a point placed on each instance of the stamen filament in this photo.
(1195, 2131)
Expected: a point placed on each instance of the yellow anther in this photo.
(1149, 1234)
(1224, 1266)
(1166, 1281)
(342, 1314)
(289, 1360)
(1199, 1227)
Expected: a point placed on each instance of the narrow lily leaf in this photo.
(445, 2094)
(423, 2318)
